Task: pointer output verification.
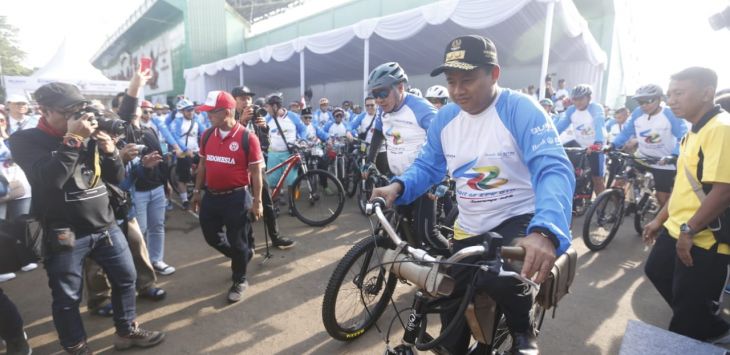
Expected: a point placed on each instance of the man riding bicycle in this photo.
(512, 177)
(658, 132)
(404, 122)
(587, 120)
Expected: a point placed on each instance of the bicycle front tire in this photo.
(311, 202)
(375, 285)
(603, 219)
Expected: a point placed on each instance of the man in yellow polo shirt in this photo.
(689, 262)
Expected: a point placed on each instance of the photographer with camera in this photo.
(252, 117)
(65, 158)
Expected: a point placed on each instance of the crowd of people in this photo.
(102, 181)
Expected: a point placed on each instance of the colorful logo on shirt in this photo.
(397, 139)
(649, 137)
(233, 146)
(585, 130)
(481, 178)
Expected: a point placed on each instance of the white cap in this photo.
(17, 98)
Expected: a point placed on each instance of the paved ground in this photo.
(281, 311)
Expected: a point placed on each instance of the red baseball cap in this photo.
(218, 100)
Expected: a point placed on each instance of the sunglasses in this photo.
(434, 101)
(646, 102)
(381, 93)
(147, 112)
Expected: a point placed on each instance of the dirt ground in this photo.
(281, 310)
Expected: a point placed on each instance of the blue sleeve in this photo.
(609, 123)
(424, 111)
(301, 128)
(170, 118)
(551, 172)
(176, 132)
(564, 120)
(430, 166)
(355, 123)
(628, 131)
(596, 112)
(679, 128)
(321, 134)
(130, 175)
(327, 126)
(164, 131)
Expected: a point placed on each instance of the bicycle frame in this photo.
(290, 163)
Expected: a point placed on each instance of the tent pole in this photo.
(301, 74)
(240, 75)
(546, 46)
(365, 67)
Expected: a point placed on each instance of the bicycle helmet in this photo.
(650, 91)
(338, 109)
(582, 90)
(145, 104)
(275, 99)
(415, 91)
(438, 92)
(387, 74)
(546, 102)
(184, 104)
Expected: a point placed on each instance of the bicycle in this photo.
(608, 210)
(308, 200)
(583, 180)
(375, 179)
(174, 177)
(341, 167)
(429, 274)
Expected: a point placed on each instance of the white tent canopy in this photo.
(66, 67)
(339, 60)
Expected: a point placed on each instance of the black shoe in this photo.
(236, 291)
(18, 346)
(282, 242)
(524, 343)
(138, 337)
(186, 205)
(80, 349)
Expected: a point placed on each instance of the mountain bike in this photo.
(341, 165)
(377, 275)
(633, 185)
(308, 200)
(583, 180)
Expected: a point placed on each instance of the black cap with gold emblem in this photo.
(468, 53)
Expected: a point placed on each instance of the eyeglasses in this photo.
(646, 102)
(381, 93)
(191, 109)
(434, 100)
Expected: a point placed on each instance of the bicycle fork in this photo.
(413, 327)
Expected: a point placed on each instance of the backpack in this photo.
(21, 241)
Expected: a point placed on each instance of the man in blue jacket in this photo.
(512, 177)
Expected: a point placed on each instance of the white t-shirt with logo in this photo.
(191, 138)
(337, 130)
(290, 132)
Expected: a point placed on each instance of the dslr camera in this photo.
(259, 111)
(112, 126)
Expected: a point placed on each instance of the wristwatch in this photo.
(72, 142)
(686, 229)
(547, 234)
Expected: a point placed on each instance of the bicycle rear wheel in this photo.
(646, 211)
(358, 290)
(603, 219)
(317, 198)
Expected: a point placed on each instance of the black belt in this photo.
(225, 192)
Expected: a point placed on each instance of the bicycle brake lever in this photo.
(518, 276)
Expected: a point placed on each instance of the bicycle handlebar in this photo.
(518, 253)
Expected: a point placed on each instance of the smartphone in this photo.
(145, 64)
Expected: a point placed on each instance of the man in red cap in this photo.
(230, 166)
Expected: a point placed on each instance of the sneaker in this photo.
(163, 269)
(80, 349)
(29, 267)
(282, 242)
(169, 205)
(186, 205)
(18, 346)
(139, 338)
(236, 291)
(7, 277)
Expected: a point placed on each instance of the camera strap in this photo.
(97, 168)
(281, 132)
